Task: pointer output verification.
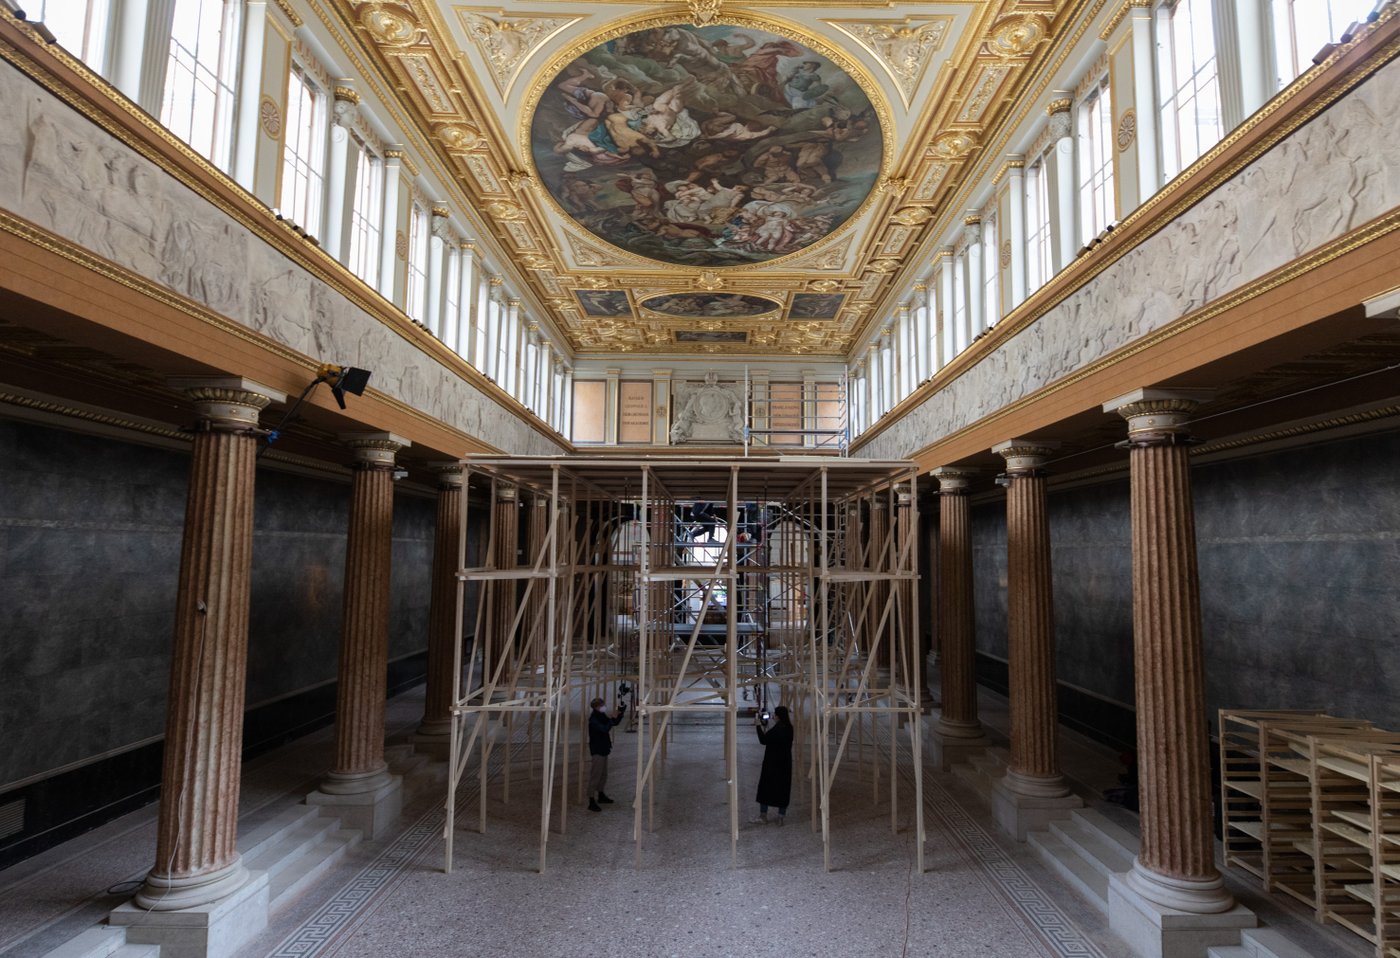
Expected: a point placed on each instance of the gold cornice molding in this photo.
(347, 93)
(102, 422)
(291, 14)
(1120, 14)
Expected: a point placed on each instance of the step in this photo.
(1104, 854)
(1105, 826)
(988, 763)
(137, 951)
(274, 830)
(272, 857)
(297, 875)
(1228, 951)
(1270, 943)
(975, 777)
(98, 942)
(1069, 865)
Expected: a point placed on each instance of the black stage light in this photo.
(344, 379)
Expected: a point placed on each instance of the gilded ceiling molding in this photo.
(584, 253)
(828, 258)
(703, 11)
(904, 48)
(507, 43)
(1122, 11)
(1016, 37)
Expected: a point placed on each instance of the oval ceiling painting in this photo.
(711, 305)
(706, 146)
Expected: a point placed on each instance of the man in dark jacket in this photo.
(600, 726)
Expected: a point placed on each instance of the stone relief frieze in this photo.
(1322, 181)
(72, 178)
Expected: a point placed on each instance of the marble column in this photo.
(1174, 898)
(199, 880)
(878, 549)
(359, 789)
(958, 733)
(1033, 793)
(501, 611)
(435, 731)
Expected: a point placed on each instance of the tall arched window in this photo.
(1096, 205)
(198, 100)
(1187, 85)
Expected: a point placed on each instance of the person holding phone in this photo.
(775, 778)
(600, 726)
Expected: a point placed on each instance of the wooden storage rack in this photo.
(1311, 806)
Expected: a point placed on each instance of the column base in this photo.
(1153, 930)
(947, 750)
(373, 814)
(1018, 813)
(217, 929)
(433, 739)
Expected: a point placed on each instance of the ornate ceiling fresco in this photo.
(708, 176)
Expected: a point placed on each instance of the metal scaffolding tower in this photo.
(698, 584)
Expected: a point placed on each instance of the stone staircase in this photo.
(294, 847)
(1260, 943)
(1087, 847)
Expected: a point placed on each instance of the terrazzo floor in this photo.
(979, 894)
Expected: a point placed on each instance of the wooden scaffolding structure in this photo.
(696, 584)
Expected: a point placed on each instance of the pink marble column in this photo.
(1033, 769)
(878, 551)
(958, 724)
(197, 860)
(434, 733)
(359, 789)
(503, 604)
(1175, 867)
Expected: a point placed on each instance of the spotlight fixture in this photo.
(341, 379)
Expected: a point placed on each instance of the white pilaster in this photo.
(1016, 228)
(466, 303)
(389, 229)
(246, 126)
(1063, 199)
(977, 319)
(439, 235)
(1145, 100)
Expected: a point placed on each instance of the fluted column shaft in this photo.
(1175, 866)
(364, 643)
(504, 551)
(879, 552)
(956, 631)
(911, 653)
(1172, 736)
(197, 859)
(1031, 621)
(1033, 768)
(442, 609)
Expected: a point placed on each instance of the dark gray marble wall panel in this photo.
(1300, 579)
(1299, 563)
(90, 534)
(89, 547)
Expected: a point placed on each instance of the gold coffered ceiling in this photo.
(941, 77)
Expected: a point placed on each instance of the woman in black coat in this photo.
(775, 780)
